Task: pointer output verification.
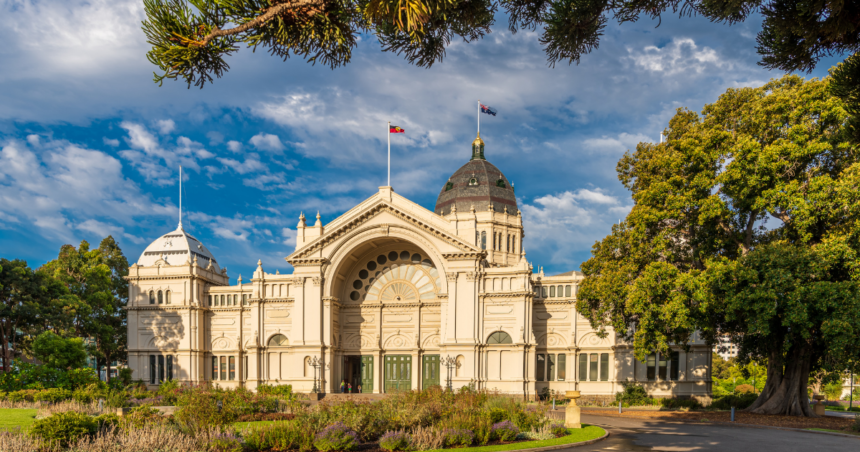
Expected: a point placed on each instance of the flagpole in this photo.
(479, 117)
(389, 153)
(180, 196)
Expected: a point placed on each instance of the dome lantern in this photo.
(478, 148)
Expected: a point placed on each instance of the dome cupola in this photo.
(177, 248)
(477, 184)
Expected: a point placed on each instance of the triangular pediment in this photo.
(402, 212)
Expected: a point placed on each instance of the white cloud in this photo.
(112, 142)
(234, 146)
(165, 126)
(682, 56)
(267, 142)
(289, 236)
(156, 163)
(33, 140)
(620, 144)
(251, 164)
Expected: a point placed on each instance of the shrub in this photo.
(633, 395)
(280, 436)
(266, 417)
(24, 395)
(336, 436)
(738, 401)
(498, 415)
(141, 417)
(53, 395)
(85, 377)
(116, 399)
(856, 425)
(458, 437)
(680, 403)
(543, 433)
(398, 440)
(744, 389)
(107, 421)
(169, 391)
(558, 430)
(225, 442)
(279, 391)
(62, 429)
(505, 431)
(426, 438)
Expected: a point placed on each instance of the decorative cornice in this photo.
(559, 302)
(163, 308)
(467, 256)
(452, 276)
(299, 281)
(308, 262)
(317, 281)
(504, 294)
(473, 276)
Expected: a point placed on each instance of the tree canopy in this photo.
(745, 223)
(60, 352)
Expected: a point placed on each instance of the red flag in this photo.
(395, 129)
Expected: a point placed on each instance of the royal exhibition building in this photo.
(389, 296)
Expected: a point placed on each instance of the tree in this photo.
(94, 278)
(721, 368)
(699, 253)
(29, 302)
(60, 352)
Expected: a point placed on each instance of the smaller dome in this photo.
(177, 248)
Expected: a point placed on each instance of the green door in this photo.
(398, 373)
(430, 371)
(367, 374)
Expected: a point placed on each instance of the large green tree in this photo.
(60, 352)
(746, 222)
(94, 279)
(30, 301)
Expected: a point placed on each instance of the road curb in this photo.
(565, 446)
(737, 424)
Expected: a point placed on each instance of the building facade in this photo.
(389, 296)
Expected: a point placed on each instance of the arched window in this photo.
(559, 291)
(223, 301)
(508, 244)
(279, 340)
(494, 240)
(160, 297)
(167, 297)
(151, 297)
(543, 291)
(483, 240)
(499, 337)
(473, 181)
(235, 300)
(567, 290)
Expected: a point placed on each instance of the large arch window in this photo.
(160, 297)
(167, 297)
(499, 337)
(151, 297)
(279, 340)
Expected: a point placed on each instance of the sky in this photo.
(90, 146)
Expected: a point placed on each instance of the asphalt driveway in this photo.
(627, 434)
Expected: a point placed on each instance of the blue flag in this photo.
(486, 109)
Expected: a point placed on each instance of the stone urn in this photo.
(818, 407)
(572, 412)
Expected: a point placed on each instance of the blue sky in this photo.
(90, 146)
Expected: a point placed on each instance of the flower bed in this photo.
(215, 420)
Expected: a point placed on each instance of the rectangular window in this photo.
(245, 299)
(540, 368)
(160, 368)
(223, 375)
(661, 366)
(552, 291)
(604, 367)
(508, 244)
(483, 240)
(232, 367)
(214, 367)
(592, 371)
(550, 367)
(543, 291)
(583, 367)
(170, 367)
(651, 363)
(210, 300)
(245, 368)
(567, 290)
(675, 362)
(537, 291)
(167, 297)
(152, 369)
(562, 367)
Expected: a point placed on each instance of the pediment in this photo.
(362, 218)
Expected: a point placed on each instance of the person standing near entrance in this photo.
(349, 388)
(358, 389)
(343, 386)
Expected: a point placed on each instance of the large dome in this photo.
(177, 248)
(477, 183)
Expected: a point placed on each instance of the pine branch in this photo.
(259, 20)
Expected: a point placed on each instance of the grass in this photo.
(255, 424)
(842, 408)
(10, 418)
(586, 433)
(834, 431)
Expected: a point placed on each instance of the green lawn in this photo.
(586, 433)
(10, 418)
(834, 431)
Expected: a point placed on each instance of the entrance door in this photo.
(430, 371)
(398, 373)
(367, 374)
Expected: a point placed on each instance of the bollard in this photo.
(619, 407)
(733, 414)
(553, 404)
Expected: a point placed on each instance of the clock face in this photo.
(167, 243)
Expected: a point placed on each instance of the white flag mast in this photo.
(180, 196)
(389, 153)
(479, 117)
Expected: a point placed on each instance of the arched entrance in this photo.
(388, 318)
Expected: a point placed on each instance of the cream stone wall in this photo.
(380, 296)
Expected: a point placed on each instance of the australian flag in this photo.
(486, 109)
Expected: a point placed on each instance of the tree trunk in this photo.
(785, 390)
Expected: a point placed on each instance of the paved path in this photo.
(848, 414)
(627, 434)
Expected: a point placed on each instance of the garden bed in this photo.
(841, 424)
